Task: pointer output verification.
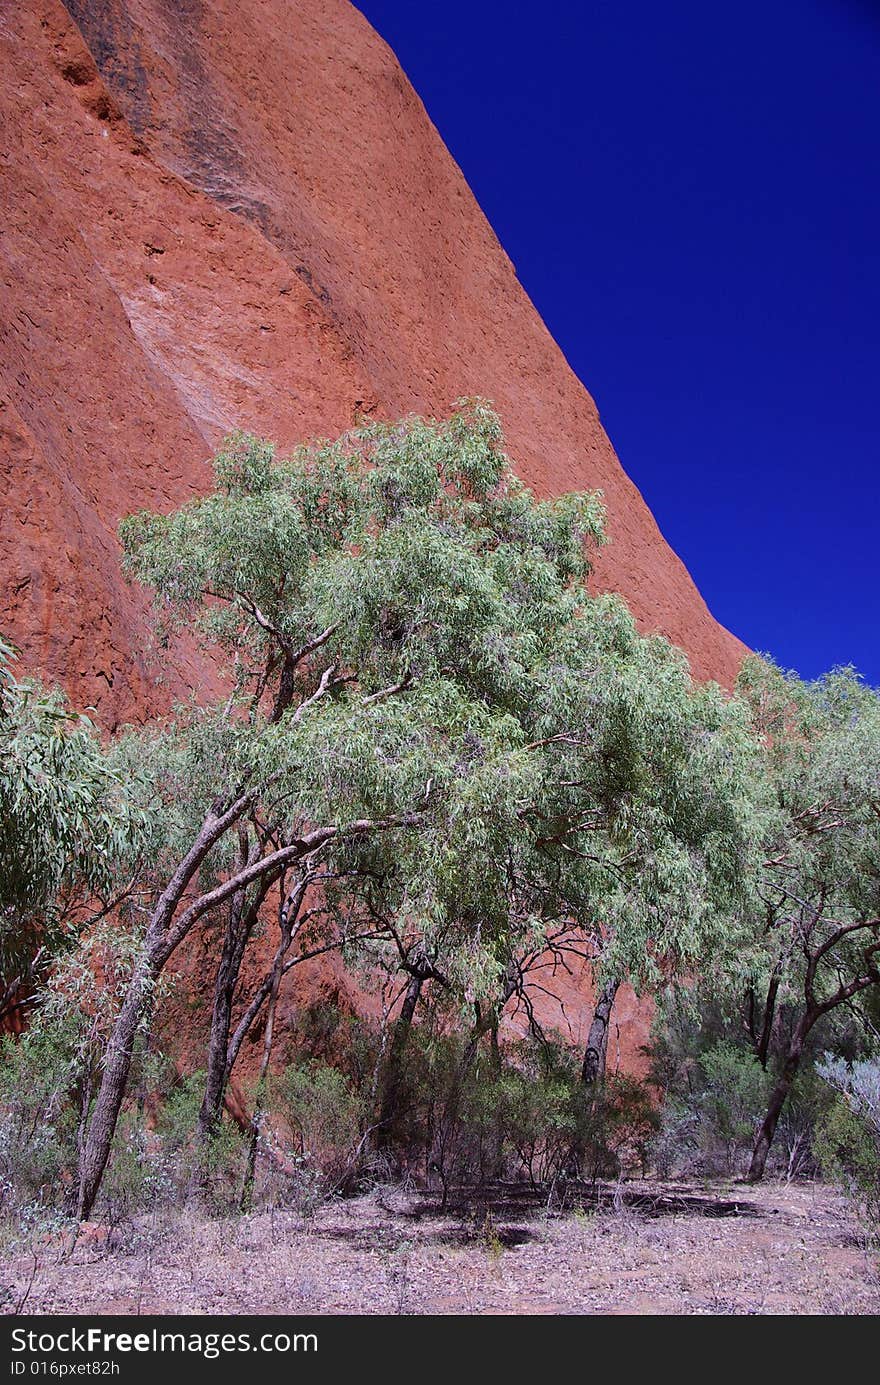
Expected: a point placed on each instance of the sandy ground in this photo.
(780, 1249)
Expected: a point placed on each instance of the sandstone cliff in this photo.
(223, 213)
(238, 213)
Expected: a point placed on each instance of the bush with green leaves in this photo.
(713, 1090)
(39, 1120)
(155, 1161)
(847, 1141)
(532, 1118)
(734, 1092)
(214, 1167)
(325, 1116)
(518, 1110)
(73, 821)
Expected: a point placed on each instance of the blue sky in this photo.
(691, 196)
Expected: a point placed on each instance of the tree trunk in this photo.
(596, 1052)
(763, 1048)
(238, 931)
(247, 1194)
(158, 947)
(497, 1154)
(288, 914)
(449, 1120)
(286, 688)
(165, 932)
(778, 1096)
(218, 1041)
(117, 1065)
(394, 1063)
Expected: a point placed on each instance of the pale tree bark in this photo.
(261, 995)
(117, 1064)
(596, 1051)
(165, 932)
(392, 1075)
(288, 914)
(101, 1128)
(240, 922)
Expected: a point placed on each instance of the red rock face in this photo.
(239, 213)
(224, 213)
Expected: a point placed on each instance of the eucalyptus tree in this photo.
(214, 773)
(815, 933)
(378, 602)
(648, 812)
(401, 563)
(411, 648)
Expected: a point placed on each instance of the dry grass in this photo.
(790, 1249)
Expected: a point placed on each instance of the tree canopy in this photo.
(577, 774)
(816, 930)
(482, 766)
(71, 818)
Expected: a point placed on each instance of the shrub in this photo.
(137, 1175)
(45, 1089)
(847, 1142)
(714, 1092)
(521, 1112)
(38, 1125)
(731, 1103)
(712, 1107)
(325, 1114)
(550, 1126)
(215, 1164)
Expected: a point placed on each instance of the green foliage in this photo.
(157, 1161)
(517, 1112)
(45, 1093)
(847, 1141)
(537, 1120)
(498, 763)
(411, 536)
(568, 775)
(710, 1121)
(821, 833)
(214, 1165)
(39, 1081)
(848, 1155)
(325, 1114)
(408, 628)
(713, 1091)
(136, 1177)
(734, 1095)
(48, 1080)
(71, 819)
(411, 643)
